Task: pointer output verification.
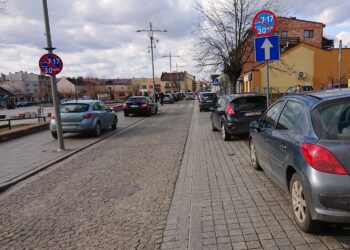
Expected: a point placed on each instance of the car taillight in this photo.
(230, 110)
(144, 105)
(125, 106)
(322, 159)
(87, 116)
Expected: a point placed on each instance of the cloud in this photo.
(97, 37)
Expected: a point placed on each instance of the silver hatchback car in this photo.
(302, 142)
(84, 116)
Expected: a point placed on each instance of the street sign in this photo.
(215, 82)
(50, 64)
(267, 48)
(264, 23)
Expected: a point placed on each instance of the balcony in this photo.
(290, 40)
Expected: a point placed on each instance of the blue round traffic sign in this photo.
(264, 23)
(50, 64)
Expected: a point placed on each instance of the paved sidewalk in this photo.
(221, 202)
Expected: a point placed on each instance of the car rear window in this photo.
(332, 121)
(210, 96)
(137, 100)
(74, 107)
(249, 102)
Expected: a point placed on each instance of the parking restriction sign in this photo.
(50, 64)
(264, 23)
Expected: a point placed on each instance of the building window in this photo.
(150, 86)
(308, 33)
(284, 34)
(144, 86)
(276, 33)
(166, 84)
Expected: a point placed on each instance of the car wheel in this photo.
(54, 134)
(114, 125)
(213, 127)
(126, 114)
(97, 130)
(253, 155)
(226, 136)
(300, 207)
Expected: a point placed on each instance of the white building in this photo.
(28, 86)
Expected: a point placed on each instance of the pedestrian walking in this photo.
(161, 96)
(156, 95)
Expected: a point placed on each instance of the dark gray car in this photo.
(302, 142)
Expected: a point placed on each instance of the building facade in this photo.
(302, 64)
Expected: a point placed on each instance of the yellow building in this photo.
(302, 64)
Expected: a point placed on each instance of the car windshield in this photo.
(137, 100)
(332, 121)
(74, 107)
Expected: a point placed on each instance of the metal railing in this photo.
(41, 119)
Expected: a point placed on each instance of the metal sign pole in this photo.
(53, 81)
(267, 84)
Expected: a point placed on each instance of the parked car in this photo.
(335, 86)
(84, 116)
(168, 98)
(302, 142)
(233, 113)
(293, 90)
(207, 101)
(140, 105)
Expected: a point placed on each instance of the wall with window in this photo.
(307, 31)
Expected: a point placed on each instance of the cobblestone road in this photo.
(115, 195)
(221, 202)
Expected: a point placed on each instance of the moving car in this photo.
(84, 116)
(140, 105)
(302, 142)
(189, 96)
(207, 101)
(233, 113)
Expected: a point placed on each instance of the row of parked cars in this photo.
(301, 142)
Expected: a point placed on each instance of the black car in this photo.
(207, 101)
(233, 113)
(140, 105)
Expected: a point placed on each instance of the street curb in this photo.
(40, 168)
(19, 132)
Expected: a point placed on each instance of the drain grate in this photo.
(122, 191)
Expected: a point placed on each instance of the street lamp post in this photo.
(150, 34)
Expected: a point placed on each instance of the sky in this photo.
(97, 38)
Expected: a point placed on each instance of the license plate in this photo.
(252, 113)
(69, 126)
(134, 106)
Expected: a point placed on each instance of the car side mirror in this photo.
(255, 125)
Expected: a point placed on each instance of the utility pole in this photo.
(170, 56)
(340, 60)
(177, 76)
(150, 35)
(53, 80)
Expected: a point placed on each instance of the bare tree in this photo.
(226, 39)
